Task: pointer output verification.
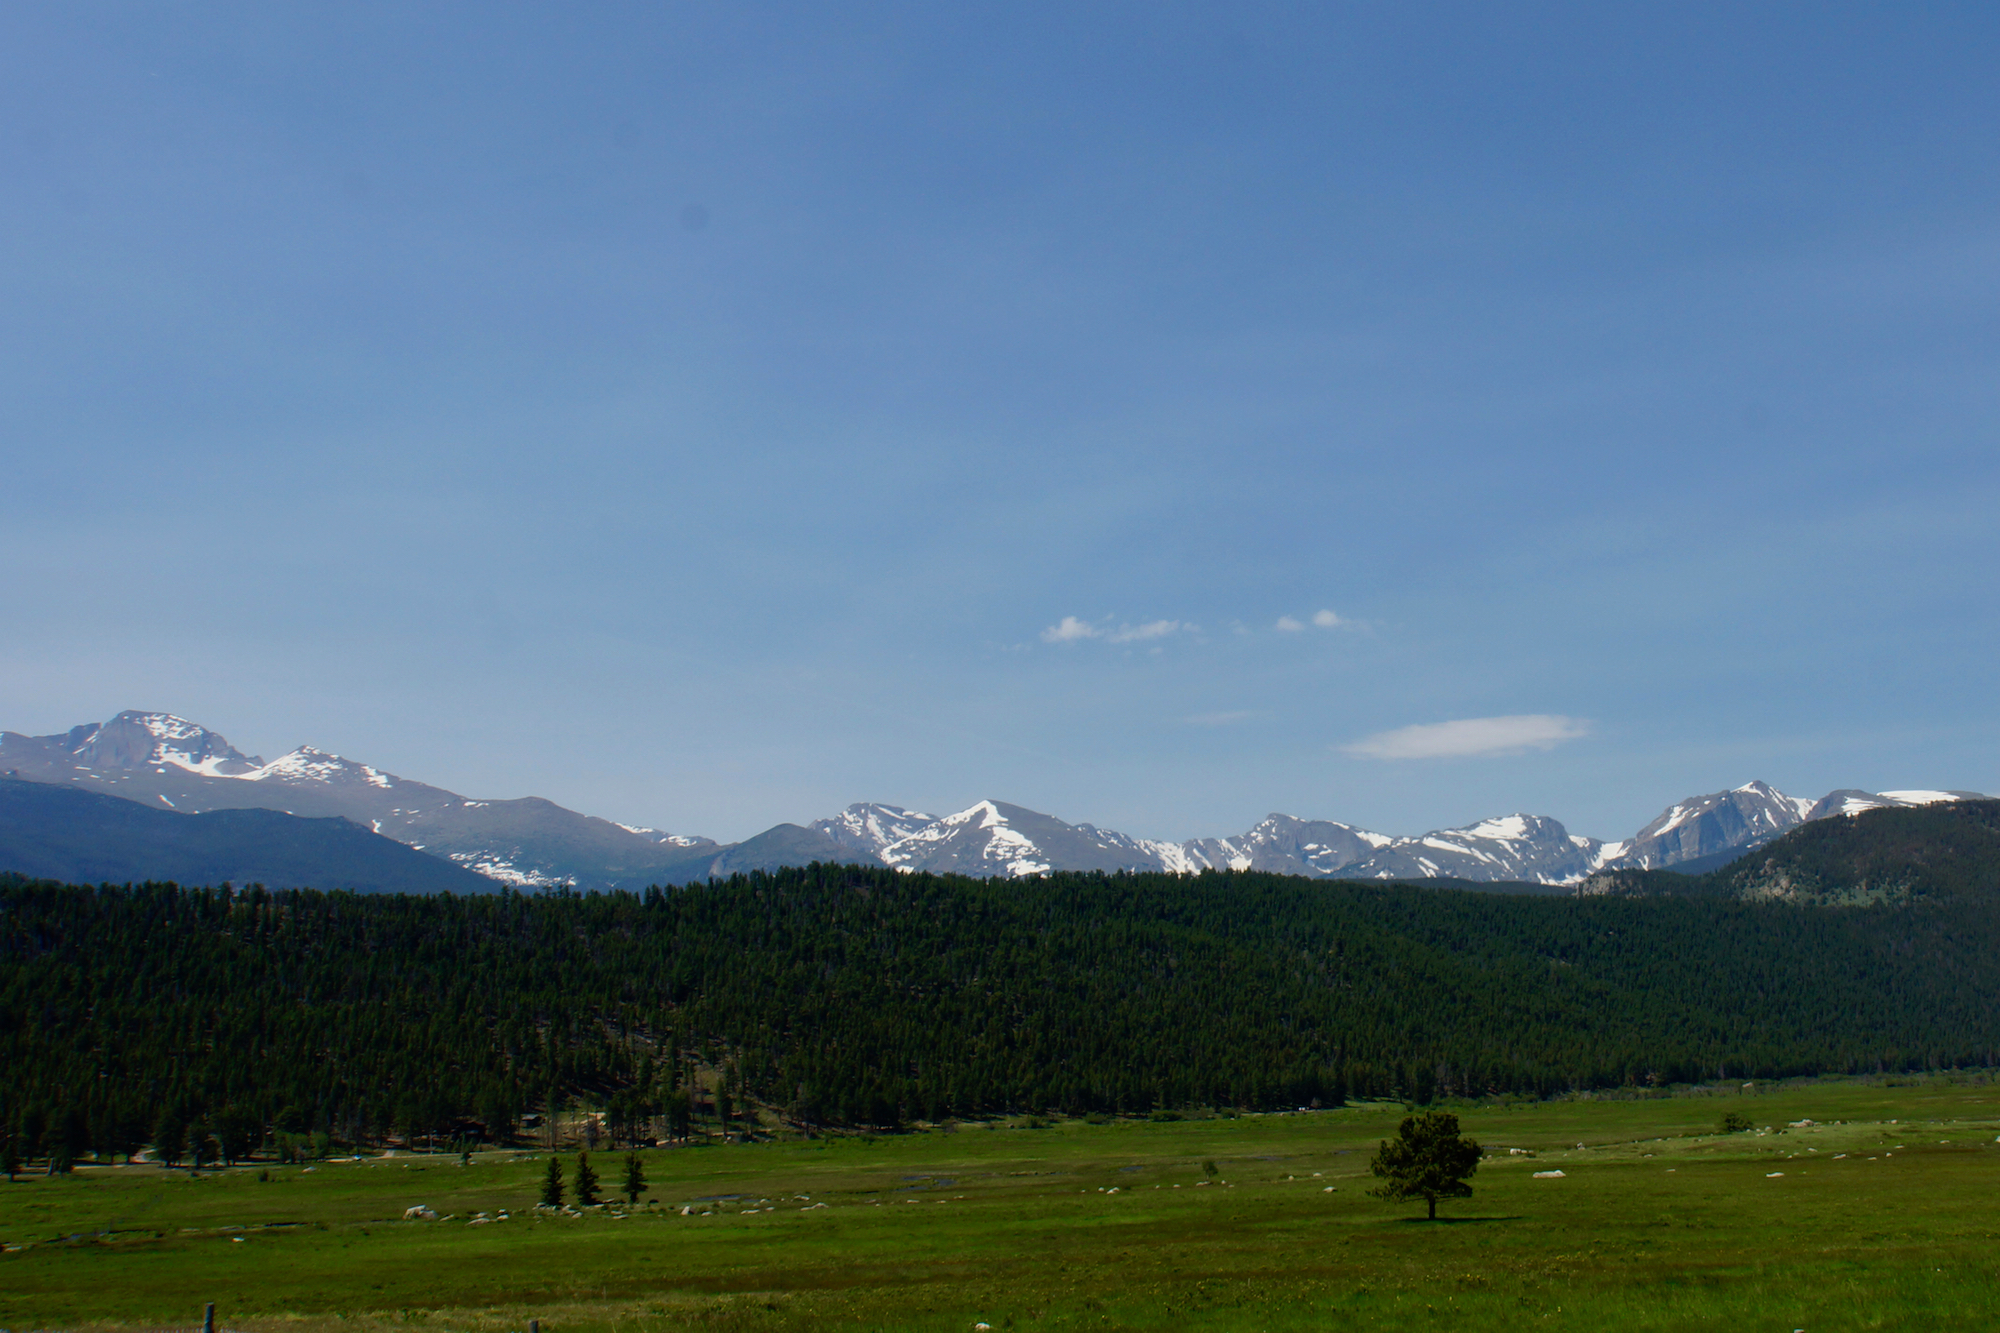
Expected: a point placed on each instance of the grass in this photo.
(1657, 1223)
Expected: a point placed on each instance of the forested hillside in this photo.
(855, 995)
(1945, 851)
(69, 834)
(1934, 853)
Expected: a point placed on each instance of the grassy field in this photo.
(1885, 1215)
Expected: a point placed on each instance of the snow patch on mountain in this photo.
(494, 867)
(306, 764)
(1925, 797)
(652, 835)
(134, 739)
(153, 756)
(870, 827)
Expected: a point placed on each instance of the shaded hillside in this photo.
(1946, 851)
(1941, 851)
(86, 837)
(864, 995)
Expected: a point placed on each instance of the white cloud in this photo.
(1471, 736)
(1322, 618)
(1152, 629)
(1219, 719)
(1069, 630)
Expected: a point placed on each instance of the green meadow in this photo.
(1884, 1214)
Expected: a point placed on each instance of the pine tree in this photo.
(169, 1139)
(635, 1177)
(1428, 1159)
(552, 1185)
(10, 1157)
(586, 1182)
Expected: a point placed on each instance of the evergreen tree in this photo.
(635, 1177)
(863, 995)
(169, 1138)
(237, 1134)
(1428, 1159)
(586, 1182)
(552, 1184)
(201, 1143)
(497, 1116)
(10, 1157)
(34, 1125)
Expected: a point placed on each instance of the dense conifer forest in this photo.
(215, 1020)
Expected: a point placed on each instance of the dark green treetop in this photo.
(635, 1177)
(1428, 1159)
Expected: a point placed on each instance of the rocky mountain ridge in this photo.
(163, 760)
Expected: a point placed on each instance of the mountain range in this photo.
(171, 764)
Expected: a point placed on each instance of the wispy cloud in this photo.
(1152, 629)
(1070, 630)
(1471, 736)
(1323, 618)
(1219, 719)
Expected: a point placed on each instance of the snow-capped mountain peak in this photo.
(134, 740)
(665, 839)
(1533, 848)
(162, 759)
(1848, 801)
(869, 826)
(306, 764)
(1704, 825)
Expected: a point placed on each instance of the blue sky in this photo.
(711, 415)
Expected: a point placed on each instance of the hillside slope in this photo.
(1891, 854)
(865, 995)
(90, 838)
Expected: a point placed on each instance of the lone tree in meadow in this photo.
(1428, 1159)
(635, 1177)
(586, 1182)
(552, 1184)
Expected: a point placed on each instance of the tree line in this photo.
(211, 1022)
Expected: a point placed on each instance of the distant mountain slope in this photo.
(994, 838)
(1939, 850)
(86, 837)
(158, 758)
(774, 848)
(1702, 826)
(867, 827)
(1886, 853)
(1285, 845)
(174, 764)
(1520, 847)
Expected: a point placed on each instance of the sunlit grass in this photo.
(1657, 1223)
